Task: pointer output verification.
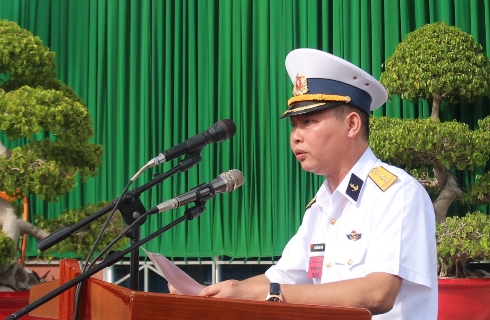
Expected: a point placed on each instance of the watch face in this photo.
(274, 299)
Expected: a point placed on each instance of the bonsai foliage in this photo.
(81, 241)
(436, 63)
(52, 130)
(479, 192)
(36, 107)
(7, 250)
(424, 144)
(439, 63)
(461, 240)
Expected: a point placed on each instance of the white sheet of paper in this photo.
(174, 275)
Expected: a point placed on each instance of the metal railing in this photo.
(147, 266)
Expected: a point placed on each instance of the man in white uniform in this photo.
(368, 237)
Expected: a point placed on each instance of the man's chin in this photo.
(311, 169)
(307, 168)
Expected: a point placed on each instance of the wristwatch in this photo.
(274, 294)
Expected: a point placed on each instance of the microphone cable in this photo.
(99, 237)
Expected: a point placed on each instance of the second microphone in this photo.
(225, 182)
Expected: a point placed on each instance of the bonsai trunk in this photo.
(450, 192)
(15, 227)
(15, 276)
(436, 102)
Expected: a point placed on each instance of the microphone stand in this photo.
(130, 208)
(111, 259)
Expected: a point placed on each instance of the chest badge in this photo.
(354, 236)
(317, 247)
(354, 187)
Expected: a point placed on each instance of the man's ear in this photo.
(354, 123)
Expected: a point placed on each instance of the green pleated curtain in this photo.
(154, 73)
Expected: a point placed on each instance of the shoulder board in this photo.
(310, 203)
(382, 178)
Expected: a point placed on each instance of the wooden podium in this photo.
(105, 301)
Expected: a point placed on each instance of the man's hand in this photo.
(227, 289)
(255, 288)
(172, 290)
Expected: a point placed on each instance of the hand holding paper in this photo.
(180, 280)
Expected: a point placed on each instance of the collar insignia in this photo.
(308, 206)
(354, 187)
(300, 85)
(354, 236)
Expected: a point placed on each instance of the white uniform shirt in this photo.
(359, 229)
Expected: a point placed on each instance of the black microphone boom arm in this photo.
(127, 207)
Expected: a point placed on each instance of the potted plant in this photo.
(464, 288)
(50, 128)
(437, 63)
(461, 241)
(440, 63)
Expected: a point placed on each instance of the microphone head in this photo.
(221, 130)
(233, 179)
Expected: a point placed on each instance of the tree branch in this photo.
(4, 151)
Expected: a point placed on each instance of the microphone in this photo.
(221, 130)
(226, 182)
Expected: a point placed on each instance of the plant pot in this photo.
(464, 299)
(11, 302)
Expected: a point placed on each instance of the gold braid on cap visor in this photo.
(315, 97)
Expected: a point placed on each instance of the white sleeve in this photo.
(402, 238)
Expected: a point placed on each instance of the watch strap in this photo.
(274, 293)
(275, 288)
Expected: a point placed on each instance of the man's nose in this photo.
(296, 135)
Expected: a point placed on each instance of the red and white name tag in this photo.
(315, 267)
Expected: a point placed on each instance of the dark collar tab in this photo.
(354, 187)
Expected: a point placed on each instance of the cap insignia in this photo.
(300, 85)
(354, 236)
(382, 178)
(354, 187)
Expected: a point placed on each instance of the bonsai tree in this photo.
(437, 63)
(52, 130)
(461, 240)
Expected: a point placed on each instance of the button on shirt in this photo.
(361, 229)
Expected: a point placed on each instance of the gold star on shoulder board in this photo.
(382, 178)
